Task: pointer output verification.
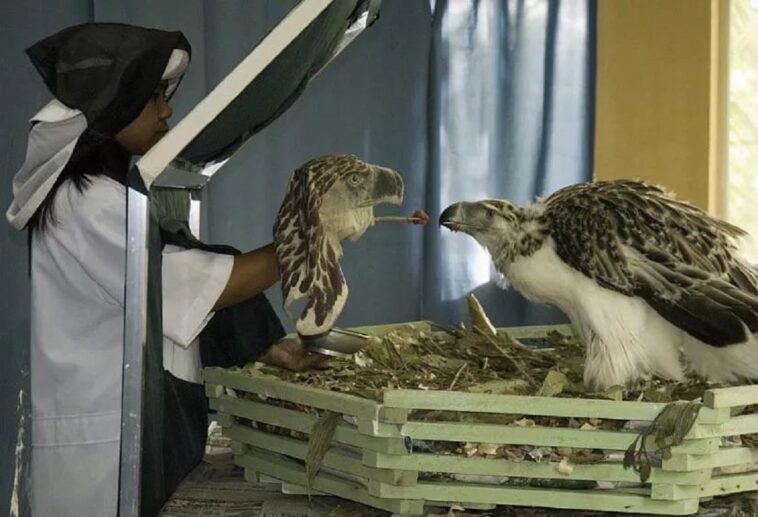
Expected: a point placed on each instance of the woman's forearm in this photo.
(253, 272)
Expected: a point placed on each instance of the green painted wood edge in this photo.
(338, 459)
(602, 500)
(302, 422)
(724, 457)
(295, 489)
(719, 485)
(514, 435)
(529, 405)
(282, 390)
(742, 424)
(528, 469)
(730, 397)
(213, 390)
(700, 446)
(285, 469)
(224, 419)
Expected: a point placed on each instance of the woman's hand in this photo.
(292, 355)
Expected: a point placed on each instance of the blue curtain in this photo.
(511, 117)
(466, 98)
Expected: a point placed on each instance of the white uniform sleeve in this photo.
(192, 279)
(192, 282)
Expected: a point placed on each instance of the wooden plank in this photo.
(730, 397)
(237, 448)
(213, 390)
(293, 489)
(700, 446)
(743, 424)
(224, 419)
(724, 457)
(514, 435)
(288, 470)
(282, 390)
(528, 405)
(545, 470)
(602, 500)
(302, 422)
(338, 459)
(392, 415)
(721, 485)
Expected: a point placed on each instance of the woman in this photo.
(111, 84)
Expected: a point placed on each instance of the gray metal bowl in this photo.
(337, 342)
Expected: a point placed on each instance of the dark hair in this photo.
(94, 155)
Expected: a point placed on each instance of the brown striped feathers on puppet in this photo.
(328, 199)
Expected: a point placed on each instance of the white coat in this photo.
(77, 321)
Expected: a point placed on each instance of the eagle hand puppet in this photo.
(642, 276)
(328, 199)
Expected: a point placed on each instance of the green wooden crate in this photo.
(371, 462)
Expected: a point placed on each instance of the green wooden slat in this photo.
(278, 389)
(724, 457)
(514, 435)
(337, 459)
(743, 424)
(602, 500)
(293, 489)
(288, 470)
(391, 415)
(303, 423)
(213, 390)
(720, 485)
(545, 470)
(528, 405)
(224, 420)
(700, 446)
(731, 397)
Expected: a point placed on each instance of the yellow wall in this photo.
(654, 94)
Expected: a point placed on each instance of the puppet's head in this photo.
(329, 198)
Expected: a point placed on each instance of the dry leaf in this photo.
(489, 449)
(565, 466)
(555, 382)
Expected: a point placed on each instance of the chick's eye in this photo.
(354, 179)
(490, 213)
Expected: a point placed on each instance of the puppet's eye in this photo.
(354, 179)
(490, 213)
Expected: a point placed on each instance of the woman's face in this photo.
(149, 126)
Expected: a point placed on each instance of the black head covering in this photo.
(108, 71)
